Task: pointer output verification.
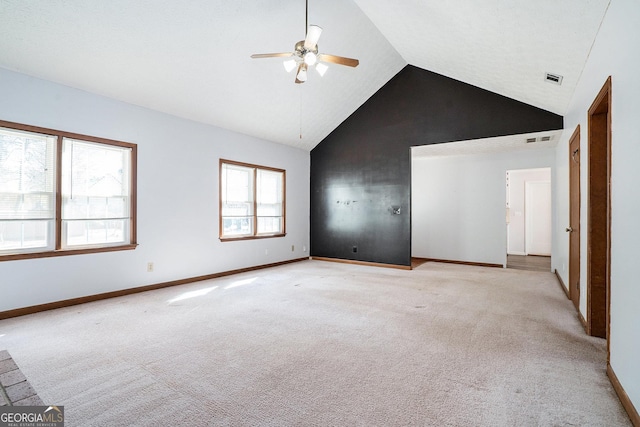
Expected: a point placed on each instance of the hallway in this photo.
(529, 262)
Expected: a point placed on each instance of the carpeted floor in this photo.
(324, 344)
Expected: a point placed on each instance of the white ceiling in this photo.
(192, 59)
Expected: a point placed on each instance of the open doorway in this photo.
(458, 195)
(528, 217)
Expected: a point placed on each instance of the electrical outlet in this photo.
(266, 251)
(304, 248)
(149, 267)
(293, 248)
(354, 249)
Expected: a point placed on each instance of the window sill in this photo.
(262, 236)
(49, 254)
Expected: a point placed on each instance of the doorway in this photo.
(528, 203)
(599, 214)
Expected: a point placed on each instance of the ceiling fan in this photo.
(305, 54)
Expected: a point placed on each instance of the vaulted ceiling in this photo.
(192, 59)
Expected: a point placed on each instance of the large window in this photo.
(252, 201)
(63, 193)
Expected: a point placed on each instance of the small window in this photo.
(27, 191)
(63, 193)
(252, 201)
(95, 194)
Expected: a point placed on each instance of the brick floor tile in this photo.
(20, 391)
(14, 385)
(29, 401)
(12, 377)
(7, 365)
(3, 398)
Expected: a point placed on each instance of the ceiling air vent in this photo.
(545, 138)
(553, 78)
(530, 140)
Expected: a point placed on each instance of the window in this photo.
(252, 201)
(63, 193)
(27, 191)
(95, 193)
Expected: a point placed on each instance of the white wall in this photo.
(177, 196)
(516, 230)
(458, 204)
(615, 53)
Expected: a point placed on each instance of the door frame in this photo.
(599, 215)
(574, 228)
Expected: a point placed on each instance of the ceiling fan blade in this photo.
(272, 55)
(313, 34)
(341, 60)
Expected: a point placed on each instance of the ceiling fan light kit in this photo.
(305, 54)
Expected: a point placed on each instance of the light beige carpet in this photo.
(318, 344)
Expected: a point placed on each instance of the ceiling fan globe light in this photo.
(289, 65)
(310, 58)
(321, 68)
(302, 75)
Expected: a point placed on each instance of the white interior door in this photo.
(538, 217)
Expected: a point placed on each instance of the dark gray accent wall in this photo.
(361, 172)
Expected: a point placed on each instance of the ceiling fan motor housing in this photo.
(301, 51)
